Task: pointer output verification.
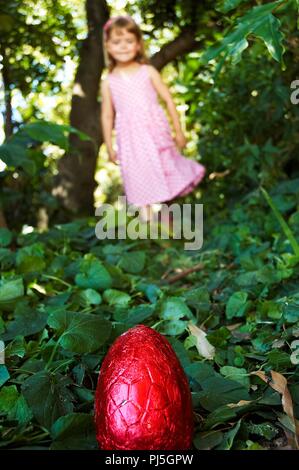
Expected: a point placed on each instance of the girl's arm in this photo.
(107, 118)
(165, 94)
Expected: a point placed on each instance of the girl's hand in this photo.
(113, 156)
(180, 140)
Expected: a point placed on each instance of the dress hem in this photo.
(189, 187)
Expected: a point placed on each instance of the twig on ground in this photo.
(182, 274)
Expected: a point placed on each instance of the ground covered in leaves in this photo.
(230, 311)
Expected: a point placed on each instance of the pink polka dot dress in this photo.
(152, 169)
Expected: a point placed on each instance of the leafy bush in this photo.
(26, 179)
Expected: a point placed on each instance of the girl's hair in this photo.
(127, 23)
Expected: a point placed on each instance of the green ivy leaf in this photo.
(200, 371)
(27, 321)
(151, 291)
(74, 431)
(272, 309)
(220, 415)
(5, 236)
(174, 328)
(4, 374)
(235, 373)
(31, 258)
(17, 347)
(93, 275)
(218, 391)
(80, 332)
(48, 396)
(199, 299)
(132, 262)
(208, 440)
(229, 437)
(237, 305)
(135, 315)
(21, 411)
(11, 290)
(8, 397)
(91, 297)
(180, 352)
(174, 308)
(278, 359)
(13, 405)
(116, 297)
(219, 337)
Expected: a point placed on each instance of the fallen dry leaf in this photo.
(234, 326)
(203, 346)
(240, 403)
(279, 384)
(294, 358)
(38, 287)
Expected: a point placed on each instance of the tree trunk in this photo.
(7, 115)
(75, 182)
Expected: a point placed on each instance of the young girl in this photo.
(152, 169)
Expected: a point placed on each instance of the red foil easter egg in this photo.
(143, 401)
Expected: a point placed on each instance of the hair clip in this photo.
(107, 24)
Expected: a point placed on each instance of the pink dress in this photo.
(152, 169)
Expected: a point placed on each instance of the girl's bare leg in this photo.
(166, 218)
(146, 213)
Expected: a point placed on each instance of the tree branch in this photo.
(181, 45)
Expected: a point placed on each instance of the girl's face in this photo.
(122, 45)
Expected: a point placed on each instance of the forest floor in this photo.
(230, 311)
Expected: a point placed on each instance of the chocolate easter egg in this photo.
(143, 401)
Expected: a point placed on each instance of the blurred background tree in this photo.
(229, 65)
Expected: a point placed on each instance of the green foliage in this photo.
(27, 321)
(237, 305)
(65, 297)
(245, 125)
(11, 290)
(68, 430)
(27, 161)
(57, 330)
(92, 274)
(79, 333)
(227, 5)
(287, 231)
(159, 14)
(237, 374)
(260, 22)
(48, 396)
(18, 150)
(34, 43)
